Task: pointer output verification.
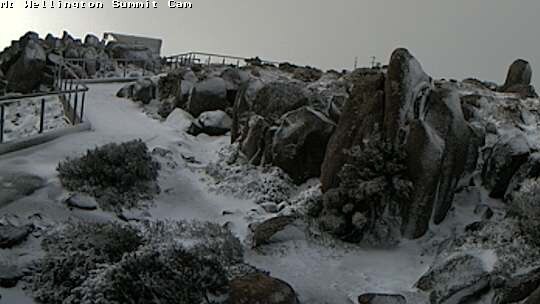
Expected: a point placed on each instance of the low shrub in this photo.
(73, 251)
(151, 262)
(116, 174)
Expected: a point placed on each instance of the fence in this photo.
(192, 58)
(69, 91)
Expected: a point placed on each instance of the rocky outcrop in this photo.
(405, 109)
(213, 123)
(261, 289)
(299, 143)
(208, 95)
(455, 280)
(504, 160)
(26, 73)
(518, 79)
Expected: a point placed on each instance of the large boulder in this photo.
(518, 79)
(213, 123)
(208, 95)
(278, 98)
(299, 143)
(26, 73)
(456, 279)
(503, 161)
(258, 288)
(14, 186)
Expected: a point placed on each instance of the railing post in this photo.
(82, 105)
(42, 115)
(2, 123)
(75, 106)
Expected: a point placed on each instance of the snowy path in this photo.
(320, 274)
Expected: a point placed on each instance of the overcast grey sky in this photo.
(452, 38)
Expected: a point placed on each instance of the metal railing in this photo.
(66, 86)
(192, 58)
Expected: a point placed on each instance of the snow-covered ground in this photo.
(22, 118)
(321, 270)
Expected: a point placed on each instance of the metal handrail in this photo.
(61, 89)
(191, 57)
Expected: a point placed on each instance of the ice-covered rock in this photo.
(9, 275)
(253, 143)
(82, 201)
(455, 280)
(208, 95)
(14, 186)
(299, 143)
(213, 123)
(179, 120)
(506, 156)
(262, 289)
(11, 235)
(262, 232)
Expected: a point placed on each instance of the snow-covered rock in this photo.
(213, 123)
(299, 143)
(455, 280)
(208, 95)
(82, 201)
(262, 232)
(179, 120)
(11, 235)
(262, 289)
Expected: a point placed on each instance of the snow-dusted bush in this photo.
(207, 239)
(525, 205)
(151, 262)
(155, 275)
(367, 204)
(116, 174)
(73, 251)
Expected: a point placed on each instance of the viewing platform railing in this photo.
(69, 91)
(192, 58)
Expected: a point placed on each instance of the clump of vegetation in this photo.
(373, 187)
(118, 175)
(155, 275)
(74, 251)
(525, 205)
(153, 262)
